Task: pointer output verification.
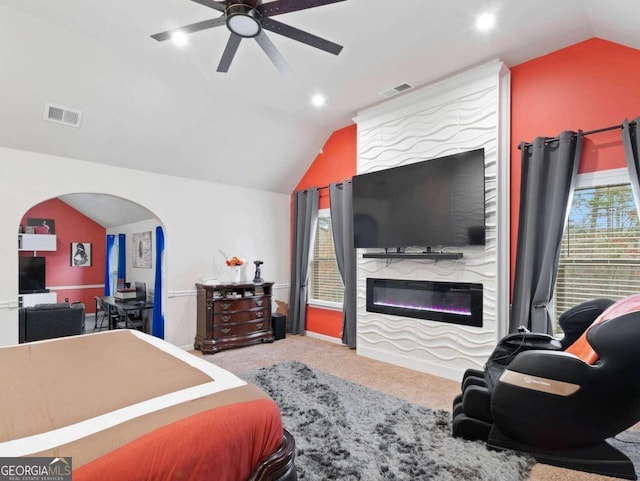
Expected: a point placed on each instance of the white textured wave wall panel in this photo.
(454, 116)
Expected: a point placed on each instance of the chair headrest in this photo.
(582, 349)
(586, 311)
(576, 320)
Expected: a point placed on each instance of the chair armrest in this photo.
(557, 365)
(531, 340)
(544, 395)
(514, 345)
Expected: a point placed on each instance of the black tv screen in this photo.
(32, 274)
(431, 203)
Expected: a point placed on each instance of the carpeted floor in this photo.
(349, 432)
(419, 388)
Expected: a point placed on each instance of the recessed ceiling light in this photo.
(318, 100)
(180, 39)
(485, 22)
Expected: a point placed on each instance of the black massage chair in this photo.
(560, 399)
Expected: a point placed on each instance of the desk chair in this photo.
(102, 315)
(129, 319)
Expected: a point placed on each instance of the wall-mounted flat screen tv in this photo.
(31, 274)
(431, 203)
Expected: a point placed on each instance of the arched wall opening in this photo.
(86, 219)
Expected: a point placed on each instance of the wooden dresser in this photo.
(233, 315)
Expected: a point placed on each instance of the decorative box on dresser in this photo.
(233, 315)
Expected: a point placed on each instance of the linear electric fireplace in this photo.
(453, 302)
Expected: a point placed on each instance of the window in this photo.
(326, 288)
(600, 252)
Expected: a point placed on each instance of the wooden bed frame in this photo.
(280, 466)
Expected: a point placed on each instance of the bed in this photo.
(125, 405)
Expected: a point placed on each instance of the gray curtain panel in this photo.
(342, 226)
(631, 150)
(305, 220)
(549, 168)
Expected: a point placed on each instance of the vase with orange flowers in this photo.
(235, 263)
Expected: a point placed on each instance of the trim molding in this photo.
(322, 337)
(189, 293)
(66, 288)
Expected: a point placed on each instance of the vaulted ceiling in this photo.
(153, 106)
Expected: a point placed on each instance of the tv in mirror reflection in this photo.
(431, 203)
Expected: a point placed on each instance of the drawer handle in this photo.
(259, 302)
(226, 318)
(259, 325)
(226, 305)
(259, 313)
(225, 330)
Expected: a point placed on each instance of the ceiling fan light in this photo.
(318, 100)
(485, 22)
(243, 20)
(180, 38)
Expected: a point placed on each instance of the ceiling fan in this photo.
(250, 19)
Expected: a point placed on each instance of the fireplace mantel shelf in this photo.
(413, 255)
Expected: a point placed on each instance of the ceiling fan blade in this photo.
(285, 6)
(273, 53)
(219, 6)
(229, 52)
(301, 36)
(194, 27)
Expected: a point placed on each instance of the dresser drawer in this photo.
(239, 316)
(226, 305)
(232, 330)
(232, 315)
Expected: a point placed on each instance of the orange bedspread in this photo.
(124, 405)
(223, 444)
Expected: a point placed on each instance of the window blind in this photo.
(325, 281)
(600, 252)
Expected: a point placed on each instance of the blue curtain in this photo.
(122, 260)
(157, 325)
(108, 266)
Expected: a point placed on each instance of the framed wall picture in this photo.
(81, 254)
(142, 250)
(41, 226)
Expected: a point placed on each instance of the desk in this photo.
(127, 308)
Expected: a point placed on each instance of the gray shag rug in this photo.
(347, 432)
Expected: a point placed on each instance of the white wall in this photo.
(199, 218)
(462, 113)
(136, 273)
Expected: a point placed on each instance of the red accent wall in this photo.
(71, 226)
(336, 163)
(589, 85)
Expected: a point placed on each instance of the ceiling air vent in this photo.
(396, 90)
(62, 115)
